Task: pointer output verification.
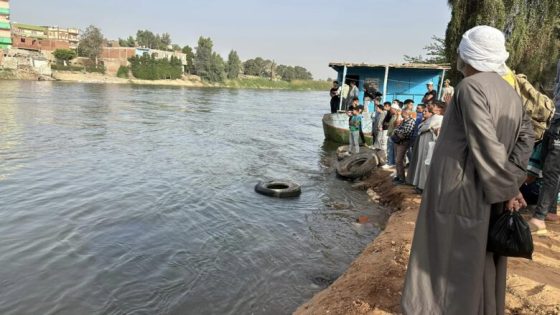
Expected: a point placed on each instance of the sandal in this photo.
(537, 231)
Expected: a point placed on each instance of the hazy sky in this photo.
(309, 33)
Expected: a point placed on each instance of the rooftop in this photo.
(340, 65)
(30, 27)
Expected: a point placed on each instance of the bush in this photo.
(66, 68)
(64, 55)
(99, 69)
(149, 68)
(123, 72)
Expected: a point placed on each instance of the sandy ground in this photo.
(373, 282)
(100, 78)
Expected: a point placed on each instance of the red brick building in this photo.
(32, 37)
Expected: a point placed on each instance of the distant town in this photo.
(38, 51)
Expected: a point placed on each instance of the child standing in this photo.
(355, 126)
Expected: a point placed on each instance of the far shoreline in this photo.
(187, 81)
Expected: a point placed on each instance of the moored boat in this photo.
(335, 127)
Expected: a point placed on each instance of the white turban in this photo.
(484, 48)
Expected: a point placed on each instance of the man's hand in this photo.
(516, 203)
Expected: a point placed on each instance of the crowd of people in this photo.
(403, 133)
(473, 156)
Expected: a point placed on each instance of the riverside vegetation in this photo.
(202, 61)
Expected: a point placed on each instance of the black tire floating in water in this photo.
(357, 165)
(278, 189)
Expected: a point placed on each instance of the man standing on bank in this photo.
(546, 206)
(431, 95)
(478, 164)
(353, 93)
(335, 97)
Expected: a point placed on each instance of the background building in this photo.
(69, 35)
(46, 38)
(27, 36)
(5, 28)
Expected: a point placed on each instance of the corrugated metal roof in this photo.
(400, 66)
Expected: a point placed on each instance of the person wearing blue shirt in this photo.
(355, 124)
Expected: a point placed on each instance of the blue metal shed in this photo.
(405, 81)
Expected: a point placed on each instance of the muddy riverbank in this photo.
(373, 283)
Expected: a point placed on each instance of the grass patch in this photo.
(263, 83)
(66, 68)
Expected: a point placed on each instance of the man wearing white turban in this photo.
(477, 167)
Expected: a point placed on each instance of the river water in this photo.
(139, 200)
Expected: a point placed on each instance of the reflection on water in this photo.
(128, 199)
(10, 137)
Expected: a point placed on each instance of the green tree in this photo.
(217, 71)
(203, 58)
(149, 68)
(164, 41)
(187, 50)
(64, 55)
(435, 52)
(302, 73)
(533, 35)
(269, 69)
(256, 67)
(145, 38)
(176, 47)
(287, 73)
(531, 29)
(414, 59)
(233, 65)
(90, 43)
(129, 42)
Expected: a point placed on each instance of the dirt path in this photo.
(373, 282)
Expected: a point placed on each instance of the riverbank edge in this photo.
(188, 81)
(373, 282)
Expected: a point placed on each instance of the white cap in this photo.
(430, 83)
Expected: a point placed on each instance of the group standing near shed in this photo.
(468, 150)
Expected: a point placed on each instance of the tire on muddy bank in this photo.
(357, 165)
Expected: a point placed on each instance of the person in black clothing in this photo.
(387, 107)
(362, 137)
(335, 97)
(431, 95)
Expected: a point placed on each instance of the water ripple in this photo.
(137, 200)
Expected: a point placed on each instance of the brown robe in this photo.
(479, 162)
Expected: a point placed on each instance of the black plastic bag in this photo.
(511, 236)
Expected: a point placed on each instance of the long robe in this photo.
(418, 170)
(479, 162)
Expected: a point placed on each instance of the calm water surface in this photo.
(140, 200)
